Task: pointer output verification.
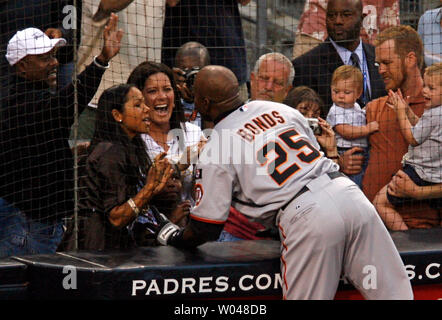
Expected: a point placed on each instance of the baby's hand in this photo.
(373, 126)
(396, 101)
(392, 100)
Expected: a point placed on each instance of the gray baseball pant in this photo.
(333, 230)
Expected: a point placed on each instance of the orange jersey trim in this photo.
(283, 260)
(206, 220)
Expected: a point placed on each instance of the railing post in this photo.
(76, 115)
(261, 27)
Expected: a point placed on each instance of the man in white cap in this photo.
(36, 163)
(32, 53)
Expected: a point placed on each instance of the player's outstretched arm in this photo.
(193, 235)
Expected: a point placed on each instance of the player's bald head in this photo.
(216, 87)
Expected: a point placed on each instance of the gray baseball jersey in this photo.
(257, 159)
(260, 156)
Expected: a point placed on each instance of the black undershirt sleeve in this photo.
(195, 234)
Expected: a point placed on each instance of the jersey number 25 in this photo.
(282, 151)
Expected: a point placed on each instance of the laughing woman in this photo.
(119, 179)
(168, 130)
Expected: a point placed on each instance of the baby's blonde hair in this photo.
(347, 72)
(435, 69)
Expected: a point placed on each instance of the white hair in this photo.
(279, 57)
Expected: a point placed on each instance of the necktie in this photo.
(355, 61)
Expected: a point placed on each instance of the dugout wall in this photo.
(265, 26)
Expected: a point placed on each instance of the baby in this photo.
(346, 116)
(422, 163)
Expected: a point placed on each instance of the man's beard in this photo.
(400, 82)
(352, 36)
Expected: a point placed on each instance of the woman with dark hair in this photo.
(168, 130)
(309, 104)
(119, 179)
(305, 100)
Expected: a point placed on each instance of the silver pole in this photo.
(75, 132)
(261, 27)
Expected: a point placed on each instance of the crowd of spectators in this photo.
(134, 67)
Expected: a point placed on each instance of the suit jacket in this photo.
(315, 69)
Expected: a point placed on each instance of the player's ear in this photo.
(203, 106)
(206, 104)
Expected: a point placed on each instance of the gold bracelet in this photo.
(133, 206)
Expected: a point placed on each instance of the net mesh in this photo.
(77, 143)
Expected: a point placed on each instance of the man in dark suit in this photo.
(343, 46)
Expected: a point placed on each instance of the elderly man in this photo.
(36, 163)
(321, 230)
(343, 46)
(271, 80)
(399, 54)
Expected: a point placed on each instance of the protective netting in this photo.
(77, 143)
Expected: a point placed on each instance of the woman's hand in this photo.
(159, 173)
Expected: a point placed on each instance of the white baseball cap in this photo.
(30, 41)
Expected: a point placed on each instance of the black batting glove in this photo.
(166, 230)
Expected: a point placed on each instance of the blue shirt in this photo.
(431, 33)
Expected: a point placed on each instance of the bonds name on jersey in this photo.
(257, 158)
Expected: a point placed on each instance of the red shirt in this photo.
(239, 226)
(387, 147)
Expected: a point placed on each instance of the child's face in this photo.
(172, 190)
(432, 90)
(309, 109)
(345, 93)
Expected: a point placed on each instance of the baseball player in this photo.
(275, 173)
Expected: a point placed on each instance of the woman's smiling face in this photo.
(159, 96)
